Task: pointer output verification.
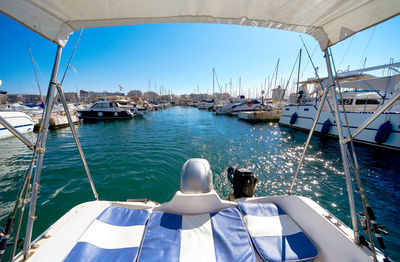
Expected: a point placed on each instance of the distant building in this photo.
(221, 96)
(200, 97)
(83, 94)
(150, 96)
(136, 93)
(166, 97)
(71, 97)
(23, 98)
(90, 96)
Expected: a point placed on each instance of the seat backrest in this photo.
(115, 235)
(193, 204)
(275, 235)
(218, 236)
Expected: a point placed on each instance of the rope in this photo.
(366, 47)
(287, 84)
(308, 62)
(345, 53)
(70, 59)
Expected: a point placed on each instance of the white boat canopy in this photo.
(327, 21)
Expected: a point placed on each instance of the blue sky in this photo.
(179, 56)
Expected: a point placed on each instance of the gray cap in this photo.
(196, 176)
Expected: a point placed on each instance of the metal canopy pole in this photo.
(342, 148)
(72, 126)
(373, 117)
(321, 105)
(41, 150)
(16, 133)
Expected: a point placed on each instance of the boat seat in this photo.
(275, 236)
(216, 236)
(115, 235)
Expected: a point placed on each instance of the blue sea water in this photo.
(142, 158)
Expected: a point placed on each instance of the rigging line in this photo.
(216, 77)
(366, 47)
(21, 216)
(356, 170)
(40, 71)
(34, 70)
(316, 74)
(8, 228)
(287, 84)
(273, 75)
(70, 59)
(345, 53)
(308, 62)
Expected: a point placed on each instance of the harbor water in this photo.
(142, 158)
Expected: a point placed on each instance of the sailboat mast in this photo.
(298, 73)
(276, 72)
(213, 81)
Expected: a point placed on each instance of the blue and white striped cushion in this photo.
(275, 235)
(115, 235)
(219, 236)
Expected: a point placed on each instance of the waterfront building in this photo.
(150, 96)
(136, 93)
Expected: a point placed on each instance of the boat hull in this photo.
(19, 120)
(92, 115)
(306, 115)
(259, 116)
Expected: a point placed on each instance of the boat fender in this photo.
(383, 132)
(100, 114)
(326, 126)
(115, 114)
(293, 118)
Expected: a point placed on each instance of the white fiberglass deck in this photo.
(199, 227)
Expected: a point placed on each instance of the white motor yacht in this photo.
(249, 105)
(206, 105)
(360, 100)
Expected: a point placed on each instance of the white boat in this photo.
(19, 120)
(206, 105)
(227, 108)
(359, 104)
(129, 105)
(196, 225)
(249, 105)
(143, 106)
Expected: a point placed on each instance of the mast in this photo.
(213, 81)
(276, 72)
(298, 73)
(240, 85)
(34, 69)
